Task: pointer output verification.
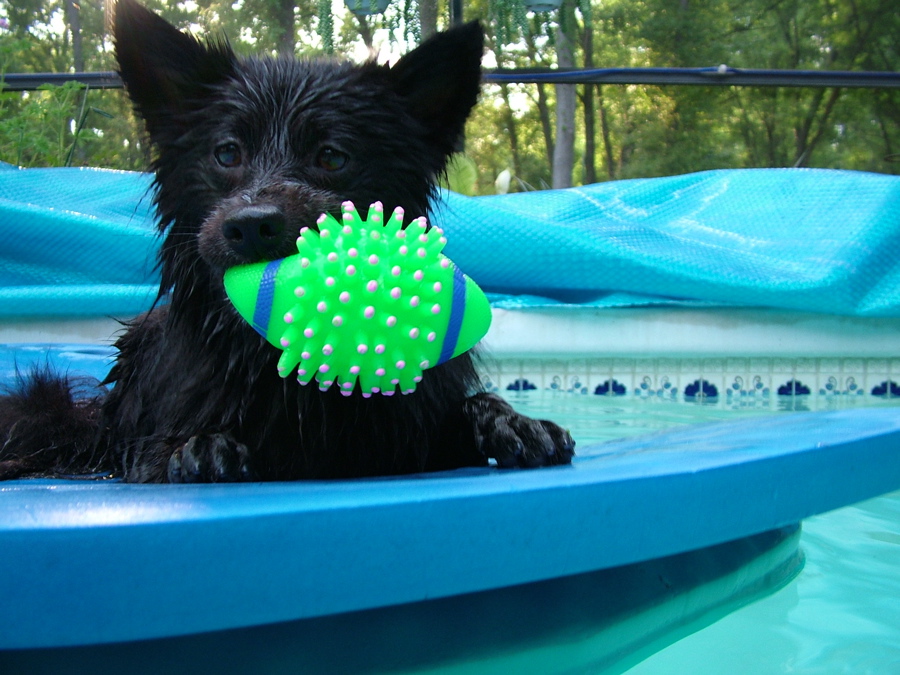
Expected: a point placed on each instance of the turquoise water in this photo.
(594, 419)
(841, 615)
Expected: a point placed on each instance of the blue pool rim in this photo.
(214, 557)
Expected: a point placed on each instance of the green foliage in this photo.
(326, 25)
(38, 133)
(461, 175)
(509, 20)
(70, 125)
(637, 130)
(653, 131)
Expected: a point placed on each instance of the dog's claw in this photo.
(515, 440)
(213, 458)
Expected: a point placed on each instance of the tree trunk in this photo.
(564, 150)
(285, 17)
(428, 13)
(511, 128)
(590, 135)
(73, 18)
(604, 132)
(546, 123)
(365, 32)
(587, 102)
(543, 105)
(806, 142)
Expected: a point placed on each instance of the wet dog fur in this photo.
(248, 151)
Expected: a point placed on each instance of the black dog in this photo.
(248, 151)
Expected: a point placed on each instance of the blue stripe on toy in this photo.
(457, 309)
(264, 298)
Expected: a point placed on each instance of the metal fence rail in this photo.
(723, 76)
(717, 76)
(33, 81)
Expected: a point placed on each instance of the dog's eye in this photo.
(331, 159)
(228, 155)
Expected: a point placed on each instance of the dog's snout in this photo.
(255, 232)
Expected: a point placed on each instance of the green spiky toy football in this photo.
(362, 301)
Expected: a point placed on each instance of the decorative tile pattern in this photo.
(733, 380)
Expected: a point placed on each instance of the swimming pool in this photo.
(841, 614)
(700, 298)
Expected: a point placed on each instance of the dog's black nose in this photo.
(254, 232)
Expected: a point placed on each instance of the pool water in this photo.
(594, 419)
(841, 615)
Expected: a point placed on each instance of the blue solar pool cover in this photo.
(82, 242)
(76, 242)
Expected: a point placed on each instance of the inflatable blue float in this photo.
(634, 541)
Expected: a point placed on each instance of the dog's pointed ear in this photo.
(164, 70)
(441, 80)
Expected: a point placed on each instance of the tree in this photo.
(604, 133)
(73, 19)
(428, 15)
(564, 148)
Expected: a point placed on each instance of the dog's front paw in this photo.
(515, 440)
(210, 458)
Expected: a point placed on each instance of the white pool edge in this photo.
(688, 332)
(580, 332)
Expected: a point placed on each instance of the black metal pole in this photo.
(31, 81)
(722, 76)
